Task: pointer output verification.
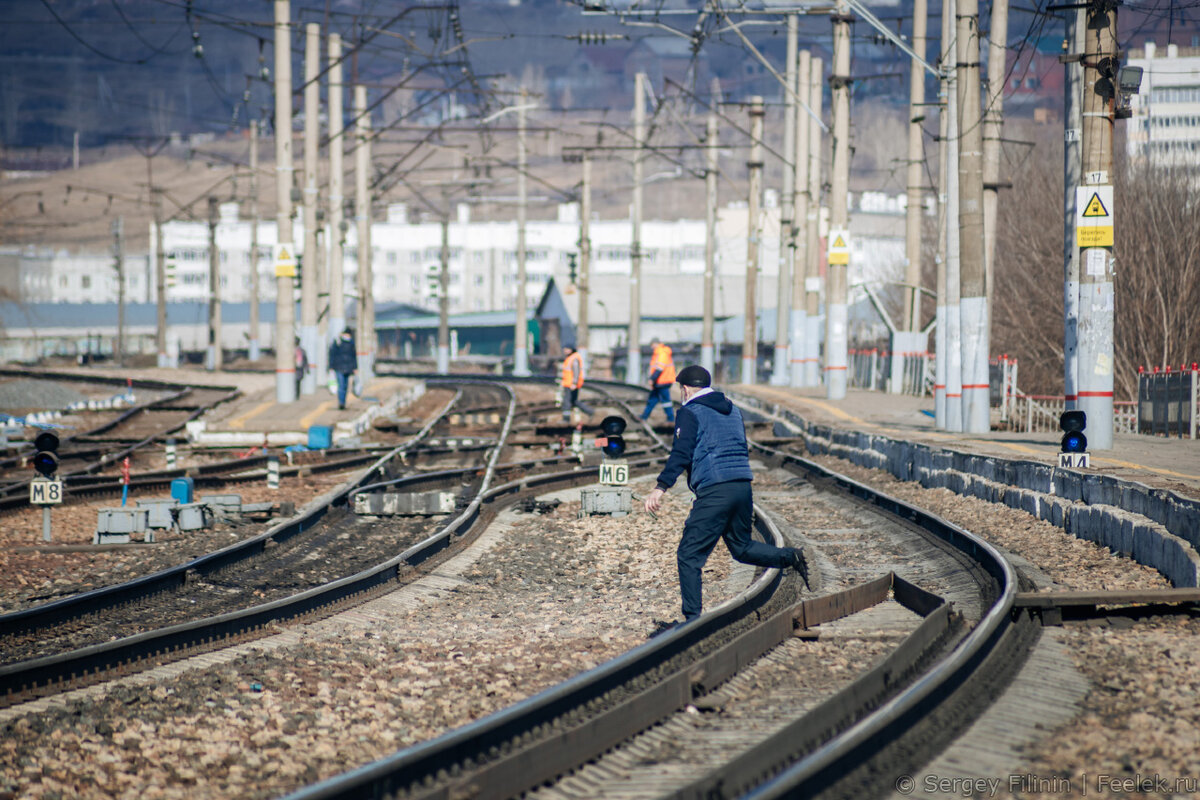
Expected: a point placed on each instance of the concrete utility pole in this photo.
(362, 216)
(798, 316)
(1072, 164)
(954, 404)
(753, 235)
(787, 238)
(309, 277)
(1094, 205)
(285, 274)
(255, 353)
(337, 199)
(443, 345)
(521, 323)
(993, 134)
(583, 279)
(812, 239)
(118, 232)
(836, 334)
(973, 287)
(160, 271)
(941, 368)
(213, 355)
(633, 370)
(915, 179)
(707, 357)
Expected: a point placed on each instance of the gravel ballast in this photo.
(558, 596)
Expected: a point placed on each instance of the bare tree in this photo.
(1157, 277)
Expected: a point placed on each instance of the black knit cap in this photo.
(695, 376)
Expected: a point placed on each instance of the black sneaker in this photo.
(662, 626)
(798, 562)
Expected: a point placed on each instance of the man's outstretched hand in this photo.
(654, 500)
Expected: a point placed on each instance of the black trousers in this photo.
(570, 397)
(722, 511)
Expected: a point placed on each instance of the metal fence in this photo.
(1166, 404)
(876, 369)
(1040, 413)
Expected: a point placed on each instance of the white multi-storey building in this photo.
(1165, 127)
(483, 255)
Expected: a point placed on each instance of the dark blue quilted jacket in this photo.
(710, 445)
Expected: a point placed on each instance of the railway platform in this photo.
(256, 417)
(1155, 461)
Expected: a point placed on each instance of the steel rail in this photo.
(822, 768)
(515, 736)
(88, 603)
(14, 500)
(507, 731)
(38, 676)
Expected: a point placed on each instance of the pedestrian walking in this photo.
(710, 446)
(662, 375)
(572, 382)
(343, 360)
(301, 365)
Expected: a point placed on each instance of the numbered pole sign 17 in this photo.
(45, 492)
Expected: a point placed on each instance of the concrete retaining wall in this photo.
(1155, 527)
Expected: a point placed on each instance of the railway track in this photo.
(843, 746)
(84, 455)
(120, 612)
(841, 742)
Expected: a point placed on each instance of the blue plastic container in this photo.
(320, 437)
(182, 489)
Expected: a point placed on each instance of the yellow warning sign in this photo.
(1095, 207)
(1095, 237)
(285, 261)
(1094, 216)
(839, 247)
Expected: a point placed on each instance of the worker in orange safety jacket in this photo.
(662, 375)
(572, 382)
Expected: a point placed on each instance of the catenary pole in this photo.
(118, 232)
(160, 271)
(798, 315)
(1072, 161)
(212, 356)
(813, 283)
(337, 199)
(941, 367)
(915, 177)
(443, 345)
(633, 370)
(285, 299)
(787, 239)
(993, 135)
(836, 334)
(753, 236)
(582, 329)
(255, 351)
(1096, 200)
(707, 356)
(362, 216)
(521, 324)
(973, 284)
(309, 276)
(954, 405)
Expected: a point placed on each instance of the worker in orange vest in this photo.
(662, 375)
(572, 382)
